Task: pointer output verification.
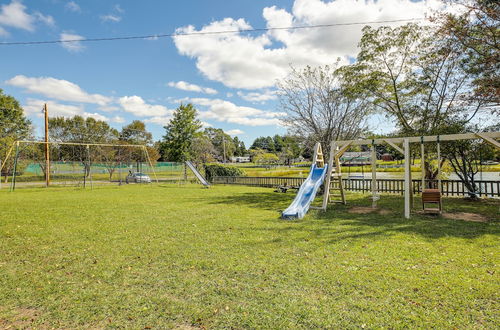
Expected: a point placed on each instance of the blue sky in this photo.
(230, 78)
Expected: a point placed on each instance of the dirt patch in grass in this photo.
(22, 318)
(367, 210)
(465, 216)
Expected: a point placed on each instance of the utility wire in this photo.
(166, 35)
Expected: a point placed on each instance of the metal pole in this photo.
(47, 150)
(90, 169)
(120, 173)
(150, 163)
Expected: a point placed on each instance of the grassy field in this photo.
(181, 256)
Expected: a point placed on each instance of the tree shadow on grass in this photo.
(339, 224)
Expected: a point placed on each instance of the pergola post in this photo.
(422, 165)
(407, 193)
(374, 176)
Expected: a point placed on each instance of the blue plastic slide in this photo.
(198, 175)
(306, 194)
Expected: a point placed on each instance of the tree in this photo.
(203, 150)
(136, 133)
(476, 32)
(320, 107)
(81, 130)
(13, 123)
(222, 142)
(266, 158)
(13, 126)
(415, 79)
(240, 150)
(290, 149)
(181, 131)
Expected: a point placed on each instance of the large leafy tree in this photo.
(181, 132)
(136, 133)
(241, 150)
(82, 130)
(223, 143)
(13, 123)
(13, 126)
(416, 79)
(476, 32)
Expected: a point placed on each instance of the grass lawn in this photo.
(182, 256)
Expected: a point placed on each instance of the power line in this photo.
(166, 35)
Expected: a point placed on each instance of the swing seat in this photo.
(432, 196)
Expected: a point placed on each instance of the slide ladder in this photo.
(308, 189)
(197, 174)
(336, 189)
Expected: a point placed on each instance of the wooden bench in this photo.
(432, 196)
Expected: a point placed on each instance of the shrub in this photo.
(214, 170)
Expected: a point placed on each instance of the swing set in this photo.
(430, 195)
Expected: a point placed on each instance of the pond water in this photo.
(486, 176)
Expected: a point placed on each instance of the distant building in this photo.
(356, 158)
(242, 159)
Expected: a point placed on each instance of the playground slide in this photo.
(198, 175)
(306, 194)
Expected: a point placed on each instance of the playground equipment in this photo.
(339, 147)
(308, 189)
(72, 163)
(197, 174)
(332, 176)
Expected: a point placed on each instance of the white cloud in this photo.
(14, 15)
(74, 45)
(159, 120)
(258, 97)
(57, 89)
(35, 106)
(118, 9)
(109, 108)
(225, 111)
(234, 132)
(118, 119)
(73, 6)
(256, 61)
(185, 86)
(46, 19)
(114, 17)
(3, 32)
(95, 115)
(137, 106)
(111, 18)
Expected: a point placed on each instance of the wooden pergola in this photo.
(402, 145)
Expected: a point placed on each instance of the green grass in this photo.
(178, 255)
